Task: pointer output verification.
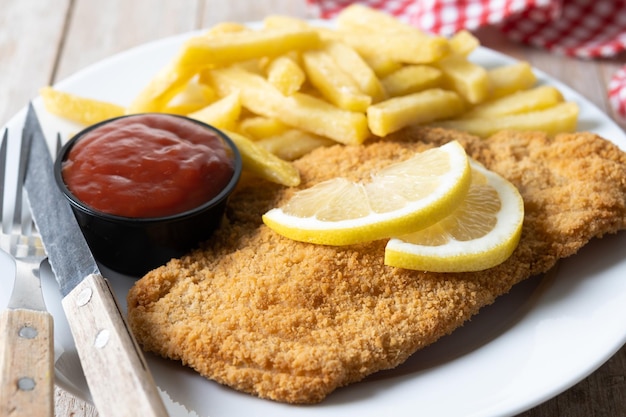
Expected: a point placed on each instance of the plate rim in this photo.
(16, 120)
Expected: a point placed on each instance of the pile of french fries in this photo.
(289, 87)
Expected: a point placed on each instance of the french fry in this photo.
(463, 43)
(78, 109)
(263, 163)
(298, 110)
(358, 17)
(466, 78)
(351, 63)
(162, 88)
(560, 118)
(292, 87)
(210, 51)
(255, 66)
(395, 113)
(259, 127)
(381, 65)
(508, 79)
(316, 116)
(372, 32)
(334, 84)
(411, 79)
(285, 74)
(409, 48)
(293, 143)
(222, 114)
(519, 102)
(285, 22)
(192, 97)
(227, 27)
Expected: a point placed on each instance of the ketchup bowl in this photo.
(146, 188)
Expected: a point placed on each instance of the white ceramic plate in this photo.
(544, 336)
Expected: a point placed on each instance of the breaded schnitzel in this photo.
(292, 321)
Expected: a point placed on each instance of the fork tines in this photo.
(3, 163)
(19, 234)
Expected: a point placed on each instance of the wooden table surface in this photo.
(43, 41)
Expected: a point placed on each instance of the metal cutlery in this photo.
(118, 377)
(27, 349)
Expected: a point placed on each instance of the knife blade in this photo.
(116, 372)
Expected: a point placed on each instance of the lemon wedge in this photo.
(401, 198)
(482, 232)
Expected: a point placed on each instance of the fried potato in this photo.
(222, 49)
(191, 98)
(292, 86)
(285, 74)
(227, 27)
(293, 144)
(463, 43)
(358, 17)
(285, 22)
(255, 66)
(351, 63)
(298, 110)
(411, 79)
(372, 32)
(395, 113)
(466, 78)
(556, 119)
(519, 102)
(222, 114)
(508, 79)
(79, 109)
(259, 127)
(162, 88)
(335, 85)
(410, 48)
(381, 65)
(263, 163)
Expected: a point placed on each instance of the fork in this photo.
(27, 346)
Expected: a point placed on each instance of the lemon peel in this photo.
(403, 197)
(482, 233)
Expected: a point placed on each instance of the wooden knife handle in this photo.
(118, 377)
(26, 363)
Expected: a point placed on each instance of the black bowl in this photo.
(133, 245)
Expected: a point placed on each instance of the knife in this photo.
(116, 372)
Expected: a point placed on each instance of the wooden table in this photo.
(43, 41)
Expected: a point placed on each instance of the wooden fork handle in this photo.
(26, 363)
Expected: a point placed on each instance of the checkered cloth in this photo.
(579, 28)
(582, 28)
(617, 92)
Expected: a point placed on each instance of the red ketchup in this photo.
(149, 165)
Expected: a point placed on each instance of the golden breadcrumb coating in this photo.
(292, 321)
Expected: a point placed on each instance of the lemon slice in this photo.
(401, 198)
(482, 232)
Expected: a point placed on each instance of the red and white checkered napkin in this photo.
(579, 28)
(617, 92)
